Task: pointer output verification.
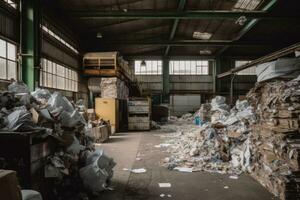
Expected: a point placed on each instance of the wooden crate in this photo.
(107, 64)
(139, 112)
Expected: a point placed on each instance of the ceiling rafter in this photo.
(250, 25)
(201, 14)
(187, 43)
(181, 6)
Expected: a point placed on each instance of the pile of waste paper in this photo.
(75, 167)
(276, 137)
(220, 145)
(113, 88)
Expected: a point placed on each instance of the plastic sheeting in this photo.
(283, 68)
(20, 120)
(31, 195)
(41, 95)
(69, 116)
(98, 172)
(18, 88)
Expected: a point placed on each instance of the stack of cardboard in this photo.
(113, 88)
(9, 186)
(276, 137)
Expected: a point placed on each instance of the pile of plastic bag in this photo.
(76, 167)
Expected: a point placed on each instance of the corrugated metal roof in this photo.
(159, 29)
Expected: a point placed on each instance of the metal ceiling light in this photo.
(143, 63)
(99, 35)
(205, 52)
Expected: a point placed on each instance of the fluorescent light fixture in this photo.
(205, 52)
(202, 35)
(99, 35)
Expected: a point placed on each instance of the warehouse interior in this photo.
(149, 99)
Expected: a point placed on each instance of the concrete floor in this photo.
(126, 147)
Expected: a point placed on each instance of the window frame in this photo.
(56, 36)
(9, 60)
(57, 76)
(189, 67)
(246, 72)
(152, 68)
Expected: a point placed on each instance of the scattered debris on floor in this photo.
(164, 195)
(233, 177)
(183, 169)
(136, 171)
(162, 145)
(154, 125)
(75, 167)
(164, 185)
(259, 136)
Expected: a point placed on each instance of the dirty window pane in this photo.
(57, 76)
(152, 67)
(3, 68)
(189, 67)
(11, 52)
(11, 70)
(2, 48)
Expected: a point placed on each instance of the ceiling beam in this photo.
(272, 56)
(251, 24)
(181, 6)
(100, 27)
(202, 14)
(187, 43)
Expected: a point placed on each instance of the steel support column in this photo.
(166, 80)
(213, 65)
(30, 41)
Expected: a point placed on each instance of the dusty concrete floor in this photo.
(125, 147)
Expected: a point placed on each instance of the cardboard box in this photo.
(9, 186)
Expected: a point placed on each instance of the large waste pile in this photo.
(75, 167)
(276, 138)
(259, 135)
(113, 88)
(220, 145)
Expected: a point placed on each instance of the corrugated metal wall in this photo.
(9, 26)
(57, 52)
(181, 104)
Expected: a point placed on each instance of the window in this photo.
(249, 71)
(11, 3)
(189, 67)
(58, 38)
(54, 75)
(152, 67)
(8, 60)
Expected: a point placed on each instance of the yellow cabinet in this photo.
(113, 110)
